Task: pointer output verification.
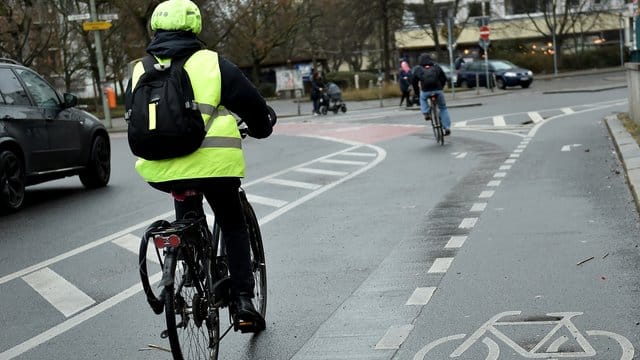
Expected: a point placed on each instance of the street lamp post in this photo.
(553, 35)
(101, 71)
(486, 50)
(450, 43)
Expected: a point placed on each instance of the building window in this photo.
(515, 7)
(475, 9)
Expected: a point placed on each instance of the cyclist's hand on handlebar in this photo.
(272, 115)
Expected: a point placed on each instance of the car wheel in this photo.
(500, 83)
(12, 181)
(98, 169)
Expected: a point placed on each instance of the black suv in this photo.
(43, 137)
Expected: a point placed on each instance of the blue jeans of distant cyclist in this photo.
(442, 105)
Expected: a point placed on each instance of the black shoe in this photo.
(447, 132)
(427, 117)
(245, 316)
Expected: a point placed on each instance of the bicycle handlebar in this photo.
(244, 130)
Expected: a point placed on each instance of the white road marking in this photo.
(517, 151)
(342, 162)
(468, 223)
(297, 184)
(321, 171)
(478, 207)
(515, 156)
(461, 155)
(255, 199)
(499, 174)
(535, 117)
(510, 161)
(355, 153)
(440, 265)
(460, 124)
(486, 194)
(455, 242)
(76, 320)
(522, 146)
(494, 183)
(568, 111)
(505, 167)
(132, 243)
(59, 292)
(499, 121)
(421, 296)
(394, 337)
(568, 147)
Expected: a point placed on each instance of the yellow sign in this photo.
(96, 25)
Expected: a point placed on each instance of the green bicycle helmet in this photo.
(177, 15)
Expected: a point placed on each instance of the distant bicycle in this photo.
(549, 347)
(434, 114)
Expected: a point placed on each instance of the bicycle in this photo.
(436, 124)
(196, 280)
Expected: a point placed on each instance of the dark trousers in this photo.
(406, 95)
(222, 194)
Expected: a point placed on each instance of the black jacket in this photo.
(419, 72)
(239, 95)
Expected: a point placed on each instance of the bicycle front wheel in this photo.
(193, 325)
(258, 262)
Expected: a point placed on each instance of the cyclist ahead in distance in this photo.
(431, 79)
(215, 169)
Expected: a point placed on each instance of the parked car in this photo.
(451, 76)
(506, 74)
(44, 137)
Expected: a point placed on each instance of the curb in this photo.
(629, 153)
(585, 90)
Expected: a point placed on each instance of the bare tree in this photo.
(24, 34)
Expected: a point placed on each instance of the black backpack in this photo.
(163, 118)
(430, 79)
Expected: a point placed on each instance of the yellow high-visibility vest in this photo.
(220, 154)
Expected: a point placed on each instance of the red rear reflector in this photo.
(162, 241)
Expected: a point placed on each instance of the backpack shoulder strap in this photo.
(148, 62)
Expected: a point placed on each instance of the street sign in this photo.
(76, 17)
(484, 43)
(96, 25)
(108, 16)
(484, 32)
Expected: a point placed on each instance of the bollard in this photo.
(111, 97)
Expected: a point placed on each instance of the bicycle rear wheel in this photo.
(258, 262)
(193, 325)
(438, 132)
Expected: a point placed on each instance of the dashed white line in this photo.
(535, 117)
(494, 183)
(132, 243)
(517, 151)
(297, 184)
(342, 162)
(394, 337)
(59, 292)
(460, 124)
(455, 242)
(505, 167)
(440, 265)
(515, 156)
(421, 296)
(255, 199)
(321, 171)
(461, 155)
(568, 111)
(486, 194)
(499, 121)
(510, 161)
(468, 223)
(499, 174)
(478, 207)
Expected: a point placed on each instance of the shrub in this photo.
(345, 79)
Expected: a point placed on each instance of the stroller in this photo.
(331, 100)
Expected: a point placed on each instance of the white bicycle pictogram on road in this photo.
(549, 347)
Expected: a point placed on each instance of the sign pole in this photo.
(486, 49)
(101, 71)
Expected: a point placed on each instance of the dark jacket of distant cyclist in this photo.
(419, 73)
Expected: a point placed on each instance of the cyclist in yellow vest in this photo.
(215, 169)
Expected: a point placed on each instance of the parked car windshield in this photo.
(502, 65)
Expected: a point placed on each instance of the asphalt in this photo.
(626, 146)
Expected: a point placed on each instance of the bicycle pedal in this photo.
(248, 326)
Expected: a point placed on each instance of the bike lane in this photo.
(549, 269)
